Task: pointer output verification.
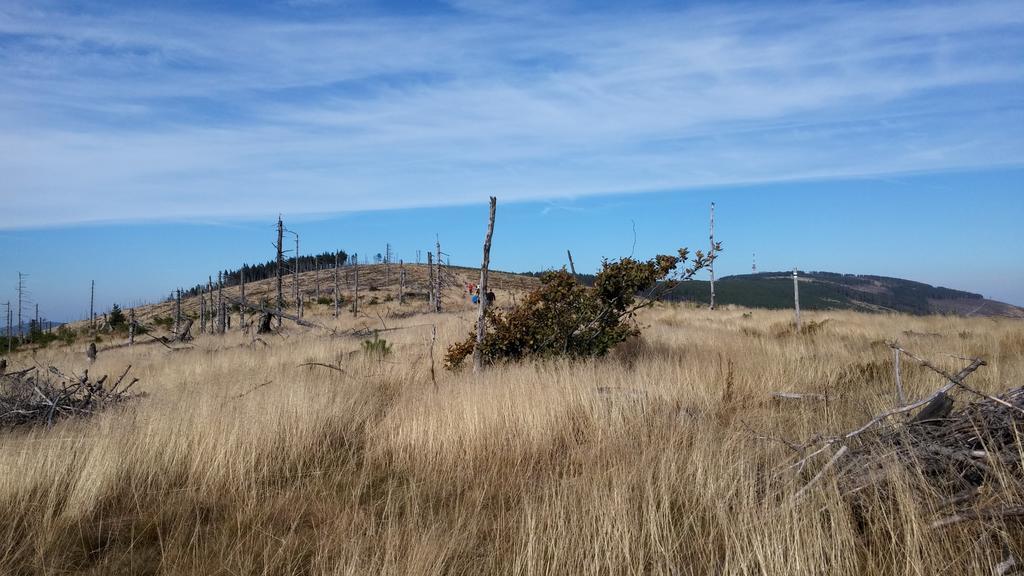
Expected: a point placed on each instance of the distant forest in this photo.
(828, 291)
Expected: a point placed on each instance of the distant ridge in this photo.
(830, 290)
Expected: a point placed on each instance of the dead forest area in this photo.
(338, 436)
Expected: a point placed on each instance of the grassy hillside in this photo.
(664, 458)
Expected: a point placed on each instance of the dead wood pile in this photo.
(39, 397)
(970, 459)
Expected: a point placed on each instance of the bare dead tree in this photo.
(437, 278)
(241, 312)
(202, 311)
(387, 265)
(355, 296)
(21, 292)
(401, 282)
(295, 272)
(572, 266)
(131, 327)
(177, 312)
(92, 303)
(336, 295)
(316, 268)
(221, 305)
(483, 300)
(280, 268)
(430, 280)
(711, 267)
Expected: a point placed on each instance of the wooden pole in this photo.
(92, 302)
(711, 253)
(572, 266)
(796, 298)
(480, 323)
(336, 295)
(387, 265)
(280, 268)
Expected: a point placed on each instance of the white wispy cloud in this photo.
(130, 114)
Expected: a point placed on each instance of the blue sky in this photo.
(824, 132)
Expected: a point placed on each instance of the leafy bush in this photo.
(325, 301)
(566, 318)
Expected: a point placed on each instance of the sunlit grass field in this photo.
(663, 458)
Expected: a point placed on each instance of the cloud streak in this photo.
(135, 115)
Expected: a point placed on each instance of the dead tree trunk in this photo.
(241, 312)
(316, 267)
(711, 252)
(295, 275)
(437, 278)
(401, 282)
(572, 266)
(186, 332)
(430, 279)
(177, 313)
(336, 302)
(131, 327)
(202, 312)
(264, 327)
(355, 296)
(223, 323)
(211, 310)
(221, 326)
(280, 268)
(480, 320)
(92, 302)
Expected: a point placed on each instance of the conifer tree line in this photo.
(268, 269)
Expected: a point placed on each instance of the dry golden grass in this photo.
(640, 463)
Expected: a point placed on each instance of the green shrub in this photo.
(566, 318)
(116, 319)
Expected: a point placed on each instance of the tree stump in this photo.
(264, 327)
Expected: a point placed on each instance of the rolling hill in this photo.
(829, 290)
